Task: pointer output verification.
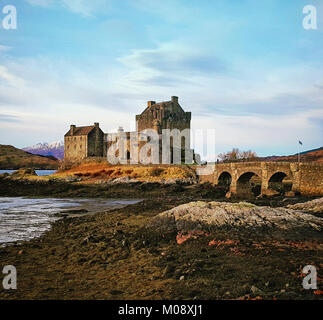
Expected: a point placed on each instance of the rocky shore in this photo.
(180, 242)
(314, 206)
(203, 216)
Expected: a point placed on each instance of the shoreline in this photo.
(115, 255)
(32, 221)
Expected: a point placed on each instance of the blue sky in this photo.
(246, 68)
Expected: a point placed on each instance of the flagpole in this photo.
(299, 153)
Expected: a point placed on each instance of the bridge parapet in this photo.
(311, 178)
(306, 178)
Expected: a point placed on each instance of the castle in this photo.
(91, 141)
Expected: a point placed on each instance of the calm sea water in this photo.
(38, 172)
(26, 218)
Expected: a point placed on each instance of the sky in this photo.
(245, 68)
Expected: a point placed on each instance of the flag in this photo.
(300, 142)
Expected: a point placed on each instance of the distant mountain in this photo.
(55, 149)
(306, 156)
(13, 158)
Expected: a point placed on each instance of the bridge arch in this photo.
(249, 184)
(224, 180)
(281, 182)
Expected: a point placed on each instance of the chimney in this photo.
(120, 129)
(96, 124)
(175, 99)
(72, 130)
(150, 103)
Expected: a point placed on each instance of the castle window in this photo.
(80, 146)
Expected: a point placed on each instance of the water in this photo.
(26, 218)
(38, 172)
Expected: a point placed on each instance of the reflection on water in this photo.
(27, 218)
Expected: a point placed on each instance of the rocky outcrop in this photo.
(315, 206)
(21, 173)
(170, 181)
(122, 180)
(179, 181)
(203, 215)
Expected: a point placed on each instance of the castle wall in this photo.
(75, 147)
(95, 143)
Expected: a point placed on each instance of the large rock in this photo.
(178, 181)
(315, 206)
(201, 215)
(125, 179)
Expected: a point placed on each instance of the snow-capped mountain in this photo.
(55, 149)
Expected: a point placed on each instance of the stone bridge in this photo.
(268, 178)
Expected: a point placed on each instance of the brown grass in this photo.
(104, 171)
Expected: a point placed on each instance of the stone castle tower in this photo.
(163, 115)
(90, 141)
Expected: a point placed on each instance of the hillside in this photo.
(13, 158)
(306, 156)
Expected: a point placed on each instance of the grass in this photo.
(93, 171)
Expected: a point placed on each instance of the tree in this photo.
(248, 155)
(237, 155)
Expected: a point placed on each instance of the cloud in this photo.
(209, 83)
(87, 8)
(278, 104)
(171, 65)
(10, 78)
(4, 48)
(53, 95)
(246, 101)
(9, 118)
(162, 81)
(170, 58)
(275, 132)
